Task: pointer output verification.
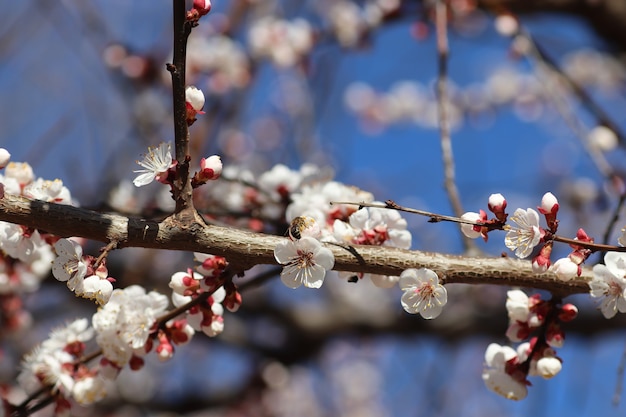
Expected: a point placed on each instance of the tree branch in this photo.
(244, 249)
(182, 186)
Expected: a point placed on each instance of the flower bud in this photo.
(202, 6)
(5, 156)
(195, 98)
(211, 168)
(568, 312)
(497, 205)
(548, 366)
(470, 230)
(565, 269)
(549, 204)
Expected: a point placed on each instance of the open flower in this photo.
(523, 238)
(422, 292)
(123, 325)
(69, 265)
(306, 262)
(608, 282)
(502, 373)
(156, 163)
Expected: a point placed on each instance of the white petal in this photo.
(290, 276)
(144, 179)
(325, 258)
(315, 276)
(616, 263)
(285, 251)
(408, 279)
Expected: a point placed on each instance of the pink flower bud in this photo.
(568, 312)
(497, 202)
(195, 98)
(211, 168)
(202, 6)
(549, 204)
(497, 205)
(541, 262)
(470, 230)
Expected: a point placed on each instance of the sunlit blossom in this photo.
(157, 162)
(68, 265)
(526, 235)
(125, 322)
(609, 284)
(306, 262)
(422, 292)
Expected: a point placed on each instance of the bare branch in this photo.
(182, 186)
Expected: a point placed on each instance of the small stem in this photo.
(441, 22)
(105, 252)
(434, 218)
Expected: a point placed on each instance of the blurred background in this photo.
(349, 86)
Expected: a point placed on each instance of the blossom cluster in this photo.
(526, 234)
(207, 285)
(506, 369)
(25, 253)
(284, 42)
(55, 364)
(609, 284)
(127, 327)
(83, 276)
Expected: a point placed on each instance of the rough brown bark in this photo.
(244, 249)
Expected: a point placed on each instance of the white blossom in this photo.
(125, 322)
(517, 305)
(45, 190)
(422, 292)
(156, 162)
(68, 265)
(495, 376)
(609, 284)
(95, 288)
(306, 262)
(523, 238)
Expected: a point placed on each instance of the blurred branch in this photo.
(607, 17)
(441, 11)
(243, 249)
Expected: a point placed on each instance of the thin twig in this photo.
(614, 218)
(105, 252)
(434, 218)
(441, 12)
(619, 384)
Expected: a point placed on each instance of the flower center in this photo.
(304, 259)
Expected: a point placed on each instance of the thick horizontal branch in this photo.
(187, 231)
